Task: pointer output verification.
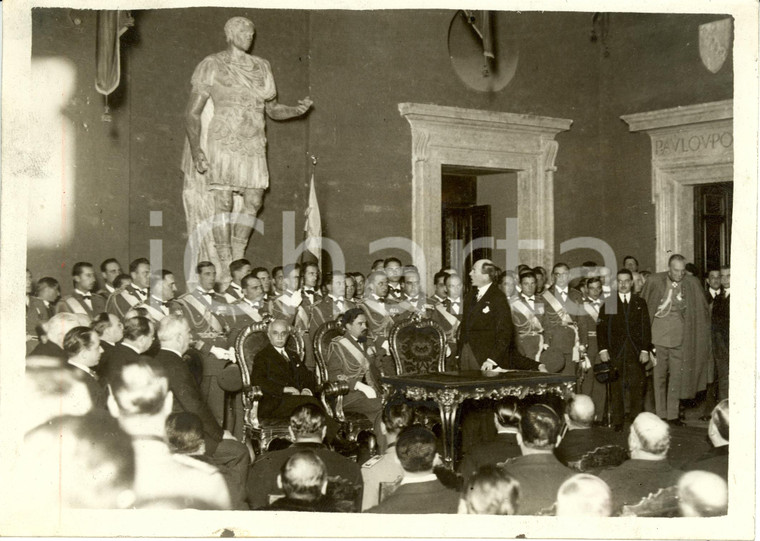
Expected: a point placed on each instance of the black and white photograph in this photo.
(421, 260)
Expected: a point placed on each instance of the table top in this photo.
(476, 378)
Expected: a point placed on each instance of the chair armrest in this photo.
(336, 390)
(253, 395)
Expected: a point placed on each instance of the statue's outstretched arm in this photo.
(277, 111)
(193, 128)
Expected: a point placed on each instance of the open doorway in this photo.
(475, 206)
(713, 205)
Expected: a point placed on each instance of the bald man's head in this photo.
(584, 495)
(580, 412)
(649, 435)
(702, 494)
(303, 476)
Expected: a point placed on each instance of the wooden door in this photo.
(712, 225)
(460, 226)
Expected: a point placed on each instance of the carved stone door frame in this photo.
(483, 139)
(690, 145)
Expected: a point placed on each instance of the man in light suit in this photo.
(83, 300)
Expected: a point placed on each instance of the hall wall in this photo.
(357, 66)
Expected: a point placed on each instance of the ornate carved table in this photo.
(449, 389)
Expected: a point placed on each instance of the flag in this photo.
(313, 226)
(111, 25)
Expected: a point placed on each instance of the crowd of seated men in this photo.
(139, 389)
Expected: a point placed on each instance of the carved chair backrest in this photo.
(663, 503)
(324, 334)
(418, 345)
(606, 456)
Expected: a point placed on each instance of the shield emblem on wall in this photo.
(715, 43)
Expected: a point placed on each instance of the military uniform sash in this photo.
(76, 306)
(590, 310)
(534, 323)
(249, 310)
(451, 319)
(206, 313)
(557, 305)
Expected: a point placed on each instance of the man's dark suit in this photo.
(187, 396)
(540, 476)
(625, 334)
(419, 498)
(49, 349)
(714, 461)
(720, 319)
(272, 373)
(118, 357)
(578, 442)
(504, 446)
(486, 328)
(635, 479)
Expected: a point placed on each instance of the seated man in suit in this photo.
(136, 292)
(348, 360)
(715, 460)
(584, 495)
(52, 389)
(55, 329)
(581, 435)
(139, 333)
(303, 479)
(537, 470)
(386, 468)
(141, 401)
(506, 418)
(82, 345)
(420, 491)
(648, 469)
(308, 430)
(285, 381)
(82, 300)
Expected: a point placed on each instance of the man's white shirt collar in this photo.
(173, 351)
(421, 479)
(132, 348)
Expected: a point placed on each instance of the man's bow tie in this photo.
(309, 291)
(531, 298)
(87, 295)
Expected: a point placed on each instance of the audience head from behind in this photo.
(702, 494)
(109, 328)
(82, 346)
(307, 424)
(507, 416)
(579, 413)
(138, 333)
(584, 495)
(303, 476)
(52, 390)
(58, 325)
(649, 438)
(140, 397)
(416, 450)
(540, 428)
(396, 417)
(174, 333)
(490, 491)
(78, 462)
(717, 430)
(184, 433)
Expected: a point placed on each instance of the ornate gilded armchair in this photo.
(352, 424)
(258, 433)
(418, 345)
(600, 458)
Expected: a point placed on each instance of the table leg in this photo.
(448, 404)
